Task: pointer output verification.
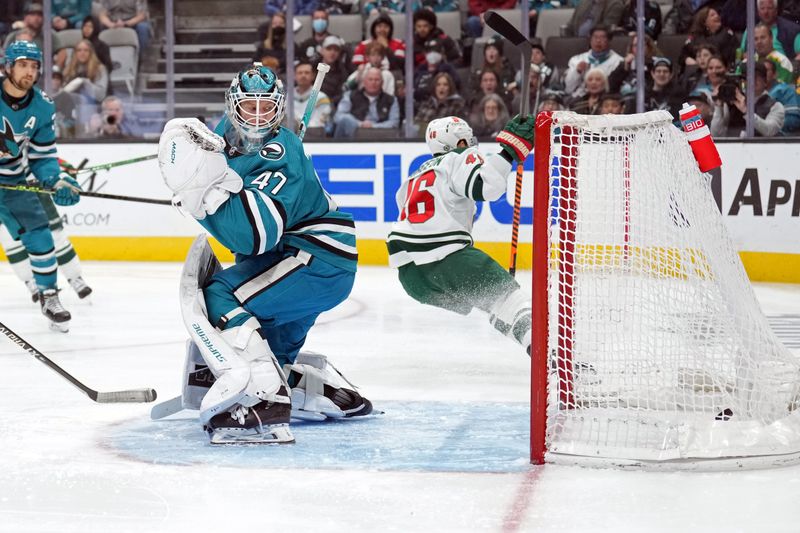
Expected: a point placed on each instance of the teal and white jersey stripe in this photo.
(282, 203)
(27, 137)
(437, 205)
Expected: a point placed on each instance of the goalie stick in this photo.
(122, 396)
(322, 69)
(510, 33)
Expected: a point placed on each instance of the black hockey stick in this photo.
(510, 33)
(28, 188)
(122, 396)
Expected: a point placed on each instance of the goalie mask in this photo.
(255, 104)
(443, 134)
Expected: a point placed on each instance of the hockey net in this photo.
(650, 348)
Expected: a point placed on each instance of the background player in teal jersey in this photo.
(252, 187)
(28, 146)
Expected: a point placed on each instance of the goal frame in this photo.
(542, 261)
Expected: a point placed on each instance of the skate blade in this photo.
(310, 416)
(61, 327)
(277, 434)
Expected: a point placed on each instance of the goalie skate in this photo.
(319, 392)
(264, 423)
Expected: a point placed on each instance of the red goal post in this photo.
(649, 348)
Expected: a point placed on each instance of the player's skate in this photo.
(318, 392)
(31, 284)
(51, 308)
(264, 423)
(80, 287)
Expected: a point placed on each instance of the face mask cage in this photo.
(254, 115)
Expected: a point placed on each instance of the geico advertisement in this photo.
(758, 192)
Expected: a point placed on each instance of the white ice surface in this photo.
(59, 472)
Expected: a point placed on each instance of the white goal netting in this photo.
(659, 353)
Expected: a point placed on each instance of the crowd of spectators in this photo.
(80, 76)
(366, 85)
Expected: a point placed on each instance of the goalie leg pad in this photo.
(197, 378)
(511, 316)
(245, 369)
(320, 390)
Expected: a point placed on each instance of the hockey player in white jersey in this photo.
(431, 243)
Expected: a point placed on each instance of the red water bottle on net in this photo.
(699, 136)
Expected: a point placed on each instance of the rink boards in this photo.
(758, 193)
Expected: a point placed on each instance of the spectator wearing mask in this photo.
(272, 43)
(367, 107)
(127, 14)
(70, 13)
(311, 47)
(425, 29)
(114, 122)
(489, 117)
(434, 65)
(376, 57)
(729, 110)
(331, 55)
(381, 31)
(598, 56)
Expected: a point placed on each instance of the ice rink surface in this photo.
(449, 454)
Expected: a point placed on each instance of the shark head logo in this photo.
(8, 145)
(272, 151)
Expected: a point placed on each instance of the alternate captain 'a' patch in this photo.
(272, 151)
(8, 144)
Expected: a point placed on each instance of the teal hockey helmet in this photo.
(255, 104)
(23, 50)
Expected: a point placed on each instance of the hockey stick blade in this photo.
(128, 396)
(504, 28)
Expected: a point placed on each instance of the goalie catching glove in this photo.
(194, 168)
(67, 190)
(516, 139)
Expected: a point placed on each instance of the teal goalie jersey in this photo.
(282, 204)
